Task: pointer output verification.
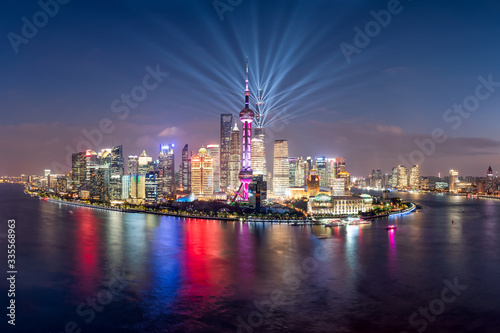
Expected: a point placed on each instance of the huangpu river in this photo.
(91, 270)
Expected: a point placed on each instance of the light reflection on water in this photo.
(201, 275)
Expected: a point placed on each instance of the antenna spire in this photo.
(247, 91)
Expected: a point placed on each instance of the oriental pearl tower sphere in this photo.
(246, 117)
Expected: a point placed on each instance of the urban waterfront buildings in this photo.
(213, 151)
(166, 170)
(452, 185)
(202, 174)
(226, 125)
(186, 170)
(415, 177)
(281, 168)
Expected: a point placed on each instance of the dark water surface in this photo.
(89, 270)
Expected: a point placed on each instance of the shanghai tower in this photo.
(246, 117)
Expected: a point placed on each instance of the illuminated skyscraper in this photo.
(234, 159)
(78, 169)
(214, 153)
(202, 174)
(313, 183)
(246, 118)
(259, 153)
(331, 171)
(339, 165)
(402, 176)
(226, 124)
(144, 163)
(293, 163)
(415, 177)
(133, 165)
(453, 181)
(90, 162)
(321, 168)
(281, 173)
(186, 170)
(394, 177)
(166, 170)
(347, 181)
(116, 171)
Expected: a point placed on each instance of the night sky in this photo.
(394, 89)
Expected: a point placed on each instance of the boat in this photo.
(391, 227)
(322, 236)
(334, 223)
(357, 222)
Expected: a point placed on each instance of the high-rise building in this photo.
(116, 171)
(313, 183)
(415, 177)
(226, 124)
(308, 166)
(214, 153)
(90, 162)
(202, 174)
(402, 176)
(144, 163)
(246, 117)
(453, 181)
(259, 153)
(151, 186)
(339, 165)
(347, 181)
(258, 192)
(186, 169)
(126, 187)
(281, 168)
(234, 159)
(394, 178)
(166, 170)
(321, 168)
(293, 163)
(78, 172)
(331, 172)
(300, 172)
(133, 165)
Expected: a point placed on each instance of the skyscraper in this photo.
(78, 172)
(259, 153)
(166, 170)
(202, 174)
(313, 183)
(214, 153)
(234, 159)
(321, 168)
(116, 171)
(415, 177)
(281, 168)
(186, 170)
(144, 163)
(133, 165)
(226, 124)
(402, 176)
(293, 163)
(339, 165)
(453, 181)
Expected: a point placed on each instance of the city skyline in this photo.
(369, 110)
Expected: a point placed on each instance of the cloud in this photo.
(389, 129)
(170, 131)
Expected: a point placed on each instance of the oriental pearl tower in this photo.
(246, 117)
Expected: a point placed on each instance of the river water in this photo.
(91, 270)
